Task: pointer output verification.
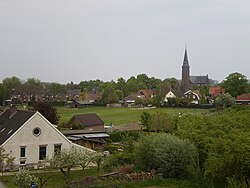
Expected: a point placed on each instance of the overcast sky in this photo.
(75, 40)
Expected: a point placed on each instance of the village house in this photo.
(243, 99)
(29, 137)
(173, 94)
(87, 130)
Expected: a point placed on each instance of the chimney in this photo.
(13, 110)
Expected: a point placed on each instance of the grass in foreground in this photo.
(57, 181)
(119, 116)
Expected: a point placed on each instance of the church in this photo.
(188, 81)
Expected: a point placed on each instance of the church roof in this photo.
(199, 79)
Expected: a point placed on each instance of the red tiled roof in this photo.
(243, 97)
(215, 91)
(147, 92)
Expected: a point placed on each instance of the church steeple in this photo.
(185, 81)
(185, 61)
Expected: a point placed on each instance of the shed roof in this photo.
(87, 119)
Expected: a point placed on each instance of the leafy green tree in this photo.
(224, 100)
(67, 159)
(146, 119)
(121, 85)
(162, 122)
(164, 153)
(12, 85)
(109, 95)
(236, 84)
(3, 94)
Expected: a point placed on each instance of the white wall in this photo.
(25, 137)
(170, 94)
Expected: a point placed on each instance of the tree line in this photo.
(111, 91)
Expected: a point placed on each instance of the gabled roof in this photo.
(199, 79)
(11, 122)
(146, 92)
(177, 93)
(243, 97)
(215, 91)
(87, 119)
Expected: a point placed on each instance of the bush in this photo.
(23, 179)
(167, 154)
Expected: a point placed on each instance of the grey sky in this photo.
(74, 40)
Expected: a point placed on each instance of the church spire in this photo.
(185, 81)
(185, 61)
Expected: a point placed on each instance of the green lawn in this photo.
(119, 116)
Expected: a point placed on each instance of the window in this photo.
(22, 152)
(42, 152)
(57, 148)
(37, 131)
(22, 162)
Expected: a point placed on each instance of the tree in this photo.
(224, 100)
(109, 95)
(6, 160)
(12, 85)
(145, 119)
(3, 94)
(162, 122)
(164, 153)
(23, 179)
(236, 84)
(67, 159)
(48, 111)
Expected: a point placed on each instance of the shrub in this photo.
(167, 154)
(23, 179)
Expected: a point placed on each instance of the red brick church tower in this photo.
(185, 80)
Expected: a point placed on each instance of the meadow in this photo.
(118, 116)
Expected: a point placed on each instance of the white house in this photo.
(173, 94)
(29, 137)
(170, 94)
(193, 96)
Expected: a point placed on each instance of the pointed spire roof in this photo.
(185, 61)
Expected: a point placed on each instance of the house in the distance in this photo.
(87, 130)
(29, 137)
(146, 93)
(243, 99)
(193, 96)
(173, 94)
(214, 91)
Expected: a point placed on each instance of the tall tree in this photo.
(3, 94)
(12, 85)
(236, 84)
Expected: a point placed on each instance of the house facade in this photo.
(173, 94)
(192, 96)
(29, 137)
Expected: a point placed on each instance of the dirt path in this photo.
(129, 127)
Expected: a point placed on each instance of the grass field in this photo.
(119, 116)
